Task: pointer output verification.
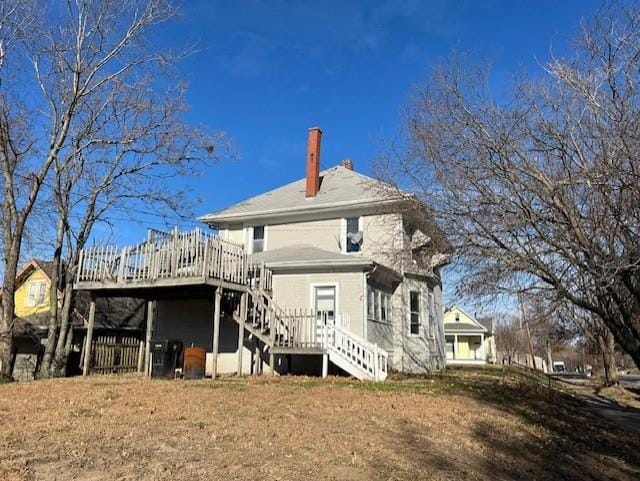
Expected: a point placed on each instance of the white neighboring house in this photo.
(342, 244)
(468, 340)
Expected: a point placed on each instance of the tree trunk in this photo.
(549, 355)
(606, 344)
(63, 345)
(52, 336)
(12, 255)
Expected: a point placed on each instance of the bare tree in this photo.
(539, 190)
(510, 340)
(101, 134)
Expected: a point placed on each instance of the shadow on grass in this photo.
(566, 442)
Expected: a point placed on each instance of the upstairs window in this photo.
(354, 236)
(414, 308)
(258, 238)
(36, 292)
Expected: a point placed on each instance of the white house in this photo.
(344, 243)
(333, 272)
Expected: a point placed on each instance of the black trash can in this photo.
(165, 358)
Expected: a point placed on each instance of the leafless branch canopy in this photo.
(539, 189)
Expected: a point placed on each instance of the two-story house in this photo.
(346, 245)
(334, 272)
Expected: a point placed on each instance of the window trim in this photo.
(418, 312)
(381, 301)
(431, 313)
(343, 235)
(250, 239)
(312, 298)
(33, 284)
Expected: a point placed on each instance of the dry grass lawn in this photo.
(465, 424)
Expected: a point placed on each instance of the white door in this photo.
(324, 302)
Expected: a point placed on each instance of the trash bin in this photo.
(194, 362)
(165, 357)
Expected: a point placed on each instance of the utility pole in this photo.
(526, 327)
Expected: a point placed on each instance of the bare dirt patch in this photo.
(462, 425)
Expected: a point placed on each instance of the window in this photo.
(258, 238)
(36, 292)
(384, 306)
(451, 350)
(354, 236)
(414, 307)
(432, 313)
(378, 305)
(457, 317)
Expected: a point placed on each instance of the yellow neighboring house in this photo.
(32, 303)
(32, 298)
(468, 340)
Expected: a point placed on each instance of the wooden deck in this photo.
(170, 260)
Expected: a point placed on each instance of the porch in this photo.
(465, 348)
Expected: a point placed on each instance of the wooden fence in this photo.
(111, 354)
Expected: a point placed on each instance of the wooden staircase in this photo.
(301, 332)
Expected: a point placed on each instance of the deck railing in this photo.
(194, 254)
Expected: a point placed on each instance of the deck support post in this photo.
(272, 362)
(241, 323)
(147, 339)
(216, 331)
(140, 368)
(325, 365)
(258, 359)
(88, 340)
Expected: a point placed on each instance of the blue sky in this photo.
(269, 69)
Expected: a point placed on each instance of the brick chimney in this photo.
(313, 161)
(347, 164)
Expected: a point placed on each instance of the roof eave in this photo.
(278, 213)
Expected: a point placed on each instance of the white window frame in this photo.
(32, 300)
(343, 234)
(312, 297)
(419, 296)
(371, 292)
(249, 238)
(382, 301)
(431, 312)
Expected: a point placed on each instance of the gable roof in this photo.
(340, 187)
(471, 324)
(487, 322)
(33, 265)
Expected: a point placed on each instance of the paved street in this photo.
(626, 417)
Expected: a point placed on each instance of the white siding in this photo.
(294, 291)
